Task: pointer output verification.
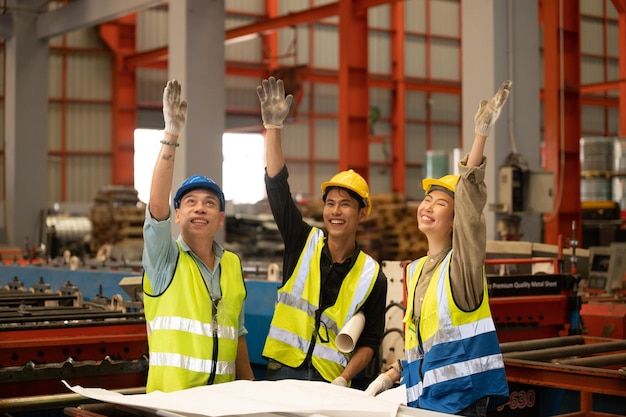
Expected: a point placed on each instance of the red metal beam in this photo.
(562, 113)
(601, 87)
(119, 36)
(575, 378)
(398, 125)
(270, 40)
(620, 6)
(353, 89)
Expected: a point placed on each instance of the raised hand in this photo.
(489, 111)
(174, 109)
(274, 105)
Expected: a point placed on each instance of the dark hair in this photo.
(352, 194)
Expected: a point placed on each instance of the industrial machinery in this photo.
(559, 367)
(603, 310)
(47, 335)
(607, 266)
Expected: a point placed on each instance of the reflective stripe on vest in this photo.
(292, 326)
(192, 364)
(191, 326)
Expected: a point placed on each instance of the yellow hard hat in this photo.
(352, 181)
(447, 182)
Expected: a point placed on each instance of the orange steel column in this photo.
(562, 113)
(270, 39)
(398, 120)
(620, 6)
(119, 36)
(353, 89)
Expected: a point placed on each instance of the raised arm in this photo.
(274, 109)
(175, 116)
(488, 113)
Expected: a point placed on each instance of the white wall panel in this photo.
(326, 99)
(594, 35)
(152, 29)
(88, 77)
(303, 102)
(413, 180)
(323, 172)
(86, 175)
(379, 179)
(379, 17)
(241, 92)
(445, 107)
(55, 72)
(593, 7)
(248, 50)
(415, 143)
(379, 56)
(446, 137)
(299, 178)
(84, 38)
(292, 6)
(416, 105)
(592, 118)
(89, 127)
(382, 100)
(613, 120)
(415, 56)
(592, 70)
(54, 126)
(150, 85)
(54, 178)
(612, 33)
(380, 144)
(245, 6)
(296, 140)
(327, 138)
(444, 15)
(445, 60)
(293, 46)
(326, 41)
(415, 16)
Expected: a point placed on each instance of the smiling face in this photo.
(199, 214)
(342, 214)
(435, 215)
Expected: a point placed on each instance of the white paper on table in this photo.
(253, 398)
(395, 395)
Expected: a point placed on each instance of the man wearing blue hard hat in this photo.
(193, 289)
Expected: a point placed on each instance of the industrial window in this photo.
(242, 170)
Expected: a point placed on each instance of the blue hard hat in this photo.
(199, 181)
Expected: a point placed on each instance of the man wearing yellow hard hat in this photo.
(453, 362)
(327, 279)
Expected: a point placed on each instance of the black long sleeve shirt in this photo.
(295, 231)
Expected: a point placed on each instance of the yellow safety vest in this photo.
(291, 330)
(180, 326)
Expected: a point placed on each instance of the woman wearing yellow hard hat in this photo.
(452, 359)
(327, 279)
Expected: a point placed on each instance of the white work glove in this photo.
(174, 109)
(274, 105)
(380, 384)
(341, 381)
(489, 111)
